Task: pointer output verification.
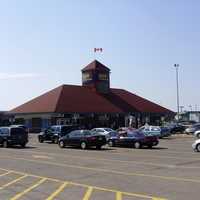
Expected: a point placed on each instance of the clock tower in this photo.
(97, 77)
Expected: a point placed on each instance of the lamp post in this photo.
(177, 89)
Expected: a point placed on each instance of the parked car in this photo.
(196, 145)
(83, 139)
(134, 139)
(150, 130)
(176, 128)
(102, 131)
(111, 137)
(187, 124)
(192, 129)
(20, 126)
(165, 132)
(197, 134)
(10, 136)
(53, 133)
(123, 130)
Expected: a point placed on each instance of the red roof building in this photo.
(92, 104)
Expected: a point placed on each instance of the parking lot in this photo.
(44, 171)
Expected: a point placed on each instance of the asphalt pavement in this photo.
(44, 171)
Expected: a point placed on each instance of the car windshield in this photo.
(108, 129)
(87, 133)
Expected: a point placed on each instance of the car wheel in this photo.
(137, 145)
(23, 145)
(150, 146)
(5, 144)
(111, 143)
(40, 140)
(61, 144)
(55, 140)
(98, 147)
(198, 147)
(83, 145)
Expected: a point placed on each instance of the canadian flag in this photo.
(98, 49)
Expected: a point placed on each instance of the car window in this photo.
(75, 134)
(100, 130)
(53, 128)
(88, 133)
(57, 129)
(4, 131)
(113, 134)
(108, 129)
(136, 134)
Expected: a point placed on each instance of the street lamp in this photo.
(177, 89)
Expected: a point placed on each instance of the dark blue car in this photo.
(134, 139)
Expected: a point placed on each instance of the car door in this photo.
(79, 136)
(57, 131)
(71, 138)
(122, 140)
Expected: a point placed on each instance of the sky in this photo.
(44, 44)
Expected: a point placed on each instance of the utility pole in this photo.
(177, 89)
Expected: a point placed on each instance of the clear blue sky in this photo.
(45, 43)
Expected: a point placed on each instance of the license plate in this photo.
(100, 138)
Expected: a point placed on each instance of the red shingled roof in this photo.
(44, 103)
(97, 66)
(81, 99)
(139, 103)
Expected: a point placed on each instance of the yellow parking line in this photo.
(88, 193)
(87, 186)
(118, 196)
(59, 190)
(116, 191)
(17, 196)
(12, 182)
(4, 174)
(142, 196)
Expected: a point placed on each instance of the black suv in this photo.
(20, 126)
(53, 133)
(83, 139)
(13, 136)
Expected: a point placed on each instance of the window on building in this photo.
(103, 77)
